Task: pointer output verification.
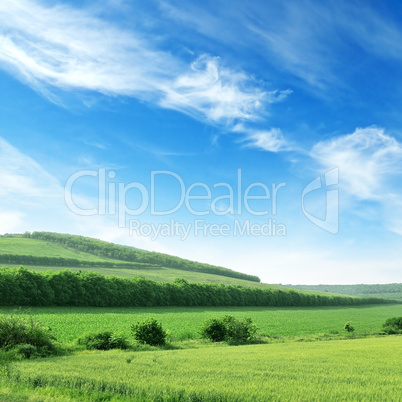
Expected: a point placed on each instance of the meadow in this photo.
(69, 323)
(286, 364)
(360, 369)
(40, 248)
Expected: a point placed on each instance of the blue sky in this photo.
(301, 99)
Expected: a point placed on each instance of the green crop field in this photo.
(286, 365)
(40, 248)
(387, 291)
(362, 369)
(69, 323)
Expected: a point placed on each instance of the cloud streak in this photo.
(367, 159)
(305, 38)
(66, 49)
(22, 178)
(370, 169)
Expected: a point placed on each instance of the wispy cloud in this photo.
(22, 178)
(306, 38)
(221, 94)
(367, 160)
(266, 140)
(66, 49)
(370, 169)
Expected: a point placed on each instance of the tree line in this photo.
(21, 287)
(131, 254)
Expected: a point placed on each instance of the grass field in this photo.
(40, 248)
(387, 291)
(361, 369)
(69, 323)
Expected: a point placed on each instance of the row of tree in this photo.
(17, 259)
(131, 254)
(20, 287)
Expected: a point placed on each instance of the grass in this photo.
(385, 291)
(40, 248)
(362, 369)
(69, 323)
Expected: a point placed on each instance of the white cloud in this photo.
(367, 159)
(71, 50)
(211, 90)
(307, 38)
(271, 140)
(370, 169)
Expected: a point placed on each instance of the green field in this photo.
(40, 248)
(290, 363)
(69, 323)
(387, 291)
(362, 369)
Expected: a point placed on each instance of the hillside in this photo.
(44, 255)
(63, 250)
(146, 278)
(387, 291)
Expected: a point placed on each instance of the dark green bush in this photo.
(393, 325)
(150, 332)
(16, 331)
(27, 350)
(214, 329)
(103, 341)
(349, 327)
(229, 329)
(239, 331)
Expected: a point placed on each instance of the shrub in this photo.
(349, 327)
(103, 341)
(16, 331)
(229, 329)
(239, 331)
(393, 325)
(27, 350)
(214, 329)
(150, 332)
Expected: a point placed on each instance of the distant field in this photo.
(40, 248)
(69, 323)
(387, 291)
(362, 369)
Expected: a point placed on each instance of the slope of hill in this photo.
(69, 245)
(387, 291)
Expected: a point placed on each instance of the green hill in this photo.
(386, 291)
(45, 250)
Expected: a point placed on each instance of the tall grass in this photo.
(364, 369)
